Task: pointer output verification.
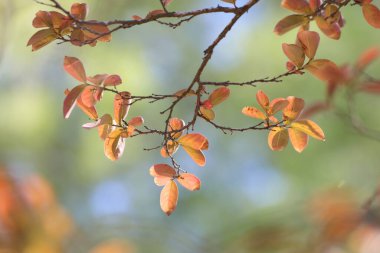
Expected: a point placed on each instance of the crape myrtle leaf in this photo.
(77, 37)
(189, 181)
(371, 14)
(290, 22)
(154, 13)
(171, 146)
(277, 105)
(331, 30)
(310, 42)
(195, 154)
(298, 6)
(193, 140)
(136, 121)
(176, 124)
(298, 139)
(162, 173)
(294, 108)
(169, 197)
(97, 79)
(310, 128)
(122, 103)
(219, 95)
(42, 19)
(79, 11)
(294, 53)
(253, 112)
(114, 144)
(87, 96)
(290, 66)
(182, 91)
(324, 70)
(90, 111)
(105, 119)
(207, 113)
(332, 13)
(314, 4)
(70, 100)
(104, 131)
(42, 38)
(262, 99)
(367, 57)
(98, 31)
(278, 138)
(112, 80)
(371, 87)
(75, 68)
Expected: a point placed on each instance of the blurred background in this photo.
(59, 193)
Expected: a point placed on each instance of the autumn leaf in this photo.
(75, 68)
(331, 30)
(253, 112)
(372, 15)
(298, 139)
(310, 128)
(114, 144)
(189, 181)
(297, 6)
(294, 53)
(79, 11)
(310, 42)
(42, 38)
(290, 22)
(278, 138)
(105, 119)
(122, 103)
(162, 174)
(70, 100)
(169, 197)
(293, 109)
(367, 57)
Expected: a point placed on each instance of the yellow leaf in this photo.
(278, 138)
(253, 113)
(310, 128)
(197, 155)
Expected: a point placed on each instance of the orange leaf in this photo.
(219, 95)
(136, 121)
(154, 13)
(290, 22)
(294, 108)
(310, 42)
(253, 113)
(324, 70)
(97, 79)
(182, 91)
(193, 140)
(105, 119)
(90, 111)
(87, 96)
(314, 4)
(294, 53)
(42, 19)
(298, 139)
(42, 38)
(112, 80)
(189, 181)
(277, 105)
(97, 31)
(176, 124)
(171, 146)
(367, 57)
(114, 144)
(278, 138)
(371, 14)
(122, 103)
(162, 173)
(298, 6)
(104, 131)
(310, 128)
(169, 197)
(70, 100)
(208, 113)
(75, 68)
(195, 154)
(79, 11)
(262, 99)
(330, 30)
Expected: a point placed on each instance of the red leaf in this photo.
(294, 53)
(75, 68)
(169, 197)
(277, 105)
(367, 57)
(330, 30)
(70, 100)
(79, 11)
(112, 80)
(189, 181)
(314, 4)
(290, 22)
(42, 19)
(298, 6)
(97, 31)
(310, 42)
(97, 79)
(371, 14)
(325, 70)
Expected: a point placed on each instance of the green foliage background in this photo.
(247, 190)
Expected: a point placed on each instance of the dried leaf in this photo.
(169, 197)
(367, 57)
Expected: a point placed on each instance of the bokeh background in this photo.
(252, 199)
